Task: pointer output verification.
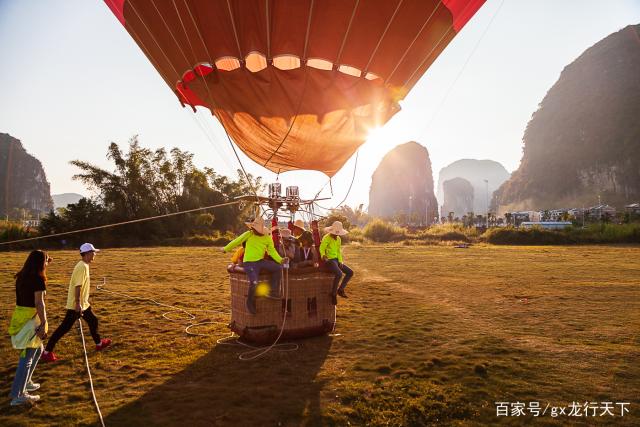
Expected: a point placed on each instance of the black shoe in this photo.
(342, 294)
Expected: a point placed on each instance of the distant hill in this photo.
(458, 197)
(584, 139)
(403, 184)
(24, 188)
(474, 171)
(64, 199)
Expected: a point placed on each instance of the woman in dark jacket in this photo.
(29, 325)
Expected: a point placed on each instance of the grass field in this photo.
(429, 335)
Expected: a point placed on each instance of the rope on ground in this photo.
(117, 224)
(86, 359)
(232, 339)
(173, 309)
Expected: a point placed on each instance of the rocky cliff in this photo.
(584, 139)
(458, 197)
(402, 185)
(23, 184)
(476, 172)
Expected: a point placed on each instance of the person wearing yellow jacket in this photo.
(331, 252)
(28, 325)
(258, 241)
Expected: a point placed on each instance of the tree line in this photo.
(147, 183)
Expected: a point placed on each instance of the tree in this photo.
(147, 183)
(336, 216)
(357, 217)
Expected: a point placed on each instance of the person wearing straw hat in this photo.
(78, 305)
(331, 252)
(258, 242)
(301, 233)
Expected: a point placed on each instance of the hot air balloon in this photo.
(296, 84)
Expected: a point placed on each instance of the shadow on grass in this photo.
(279, 388)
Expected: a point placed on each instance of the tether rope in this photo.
(86, 359)
(190, 316)
(117, 224)
(174, 308)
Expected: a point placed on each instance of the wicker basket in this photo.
(309, 308)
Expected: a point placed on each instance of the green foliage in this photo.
(14, 231)
(594, 233)
(335, 216)
(355, 235)
(147, 183)
(214, 239)
(354, 217)
(382, 231)
(448, 232)
(522, 236)
(205, 219)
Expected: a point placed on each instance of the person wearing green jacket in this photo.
(258, 242)
(331, 252)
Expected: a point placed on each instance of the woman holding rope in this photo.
(28, 325)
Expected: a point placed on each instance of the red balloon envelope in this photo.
(297, 84)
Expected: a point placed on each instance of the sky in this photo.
(72, 80)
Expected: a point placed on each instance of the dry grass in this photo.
(429, 335)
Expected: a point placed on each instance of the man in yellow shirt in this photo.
(258, 241)
(331, 252)
(78, 305)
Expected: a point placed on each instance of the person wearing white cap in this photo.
(331, 252)
(78, 305)
(258, 242)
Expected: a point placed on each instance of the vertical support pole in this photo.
(315, 232)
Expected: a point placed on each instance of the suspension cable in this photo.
(355, 166)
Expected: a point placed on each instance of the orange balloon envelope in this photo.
(297, 84)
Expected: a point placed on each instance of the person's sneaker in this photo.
(49, 356)
(104, 343)
(25, 399)
(32, 386)
(342, 293)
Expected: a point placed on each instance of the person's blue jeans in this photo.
(26, 366)
(334, 267)
(253, 269)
